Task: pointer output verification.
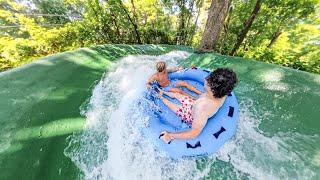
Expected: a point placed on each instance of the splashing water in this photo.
(113, 147)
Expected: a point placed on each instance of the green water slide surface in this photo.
(40, 105)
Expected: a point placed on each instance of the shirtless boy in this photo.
(161, 76)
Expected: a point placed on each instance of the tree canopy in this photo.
(285, 32)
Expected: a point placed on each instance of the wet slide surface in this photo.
(61, 118)
(40, 107)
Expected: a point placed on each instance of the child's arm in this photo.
(150, 80)
(174, 69)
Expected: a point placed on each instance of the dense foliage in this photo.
(285, 32)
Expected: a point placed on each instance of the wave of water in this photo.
(113, 147)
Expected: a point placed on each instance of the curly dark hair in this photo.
(221, 81)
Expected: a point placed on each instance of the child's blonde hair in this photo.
(161, 65)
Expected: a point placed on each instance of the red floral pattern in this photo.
(185, 111)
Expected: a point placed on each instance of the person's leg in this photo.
(175, 122)
(177, 90)
(173, 107)
(177, 96)
(170, 94)
(188, 86)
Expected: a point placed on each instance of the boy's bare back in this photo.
(161, 76)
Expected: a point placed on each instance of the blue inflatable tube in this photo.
(219, 128)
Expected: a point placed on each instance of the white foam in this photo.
(316, 159)
(272, 80)
(113, 122)
(317, 79)
(272, 76)
(262, 157)
(113, 147)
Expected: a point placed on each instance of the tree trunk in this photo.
(225, 31)
(246, 27)
(226, 24)
(197, 17)
(113, 18)
(193, 32)
(181, 28)
(105, 27)
(216, 16)
(135, 26)
(187, 28)
(275, 37)
(134, 12)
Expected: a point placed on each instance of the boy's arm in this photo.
(174, 69)
(150, 80)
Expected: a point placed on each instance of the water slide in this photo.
(73, 116)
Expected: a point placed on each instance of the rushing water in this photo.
(112, 146)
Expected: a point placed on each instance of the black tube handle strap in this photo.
(198, 144)
(231, 110)
(217, 134)
(161, 135)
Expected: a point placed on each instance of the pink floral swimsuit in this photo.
(185, 110)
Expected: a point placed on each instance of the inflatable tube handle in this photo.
(198, 144)
(206, 70)
(217, 134)
(161, 135)
(231, 110)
